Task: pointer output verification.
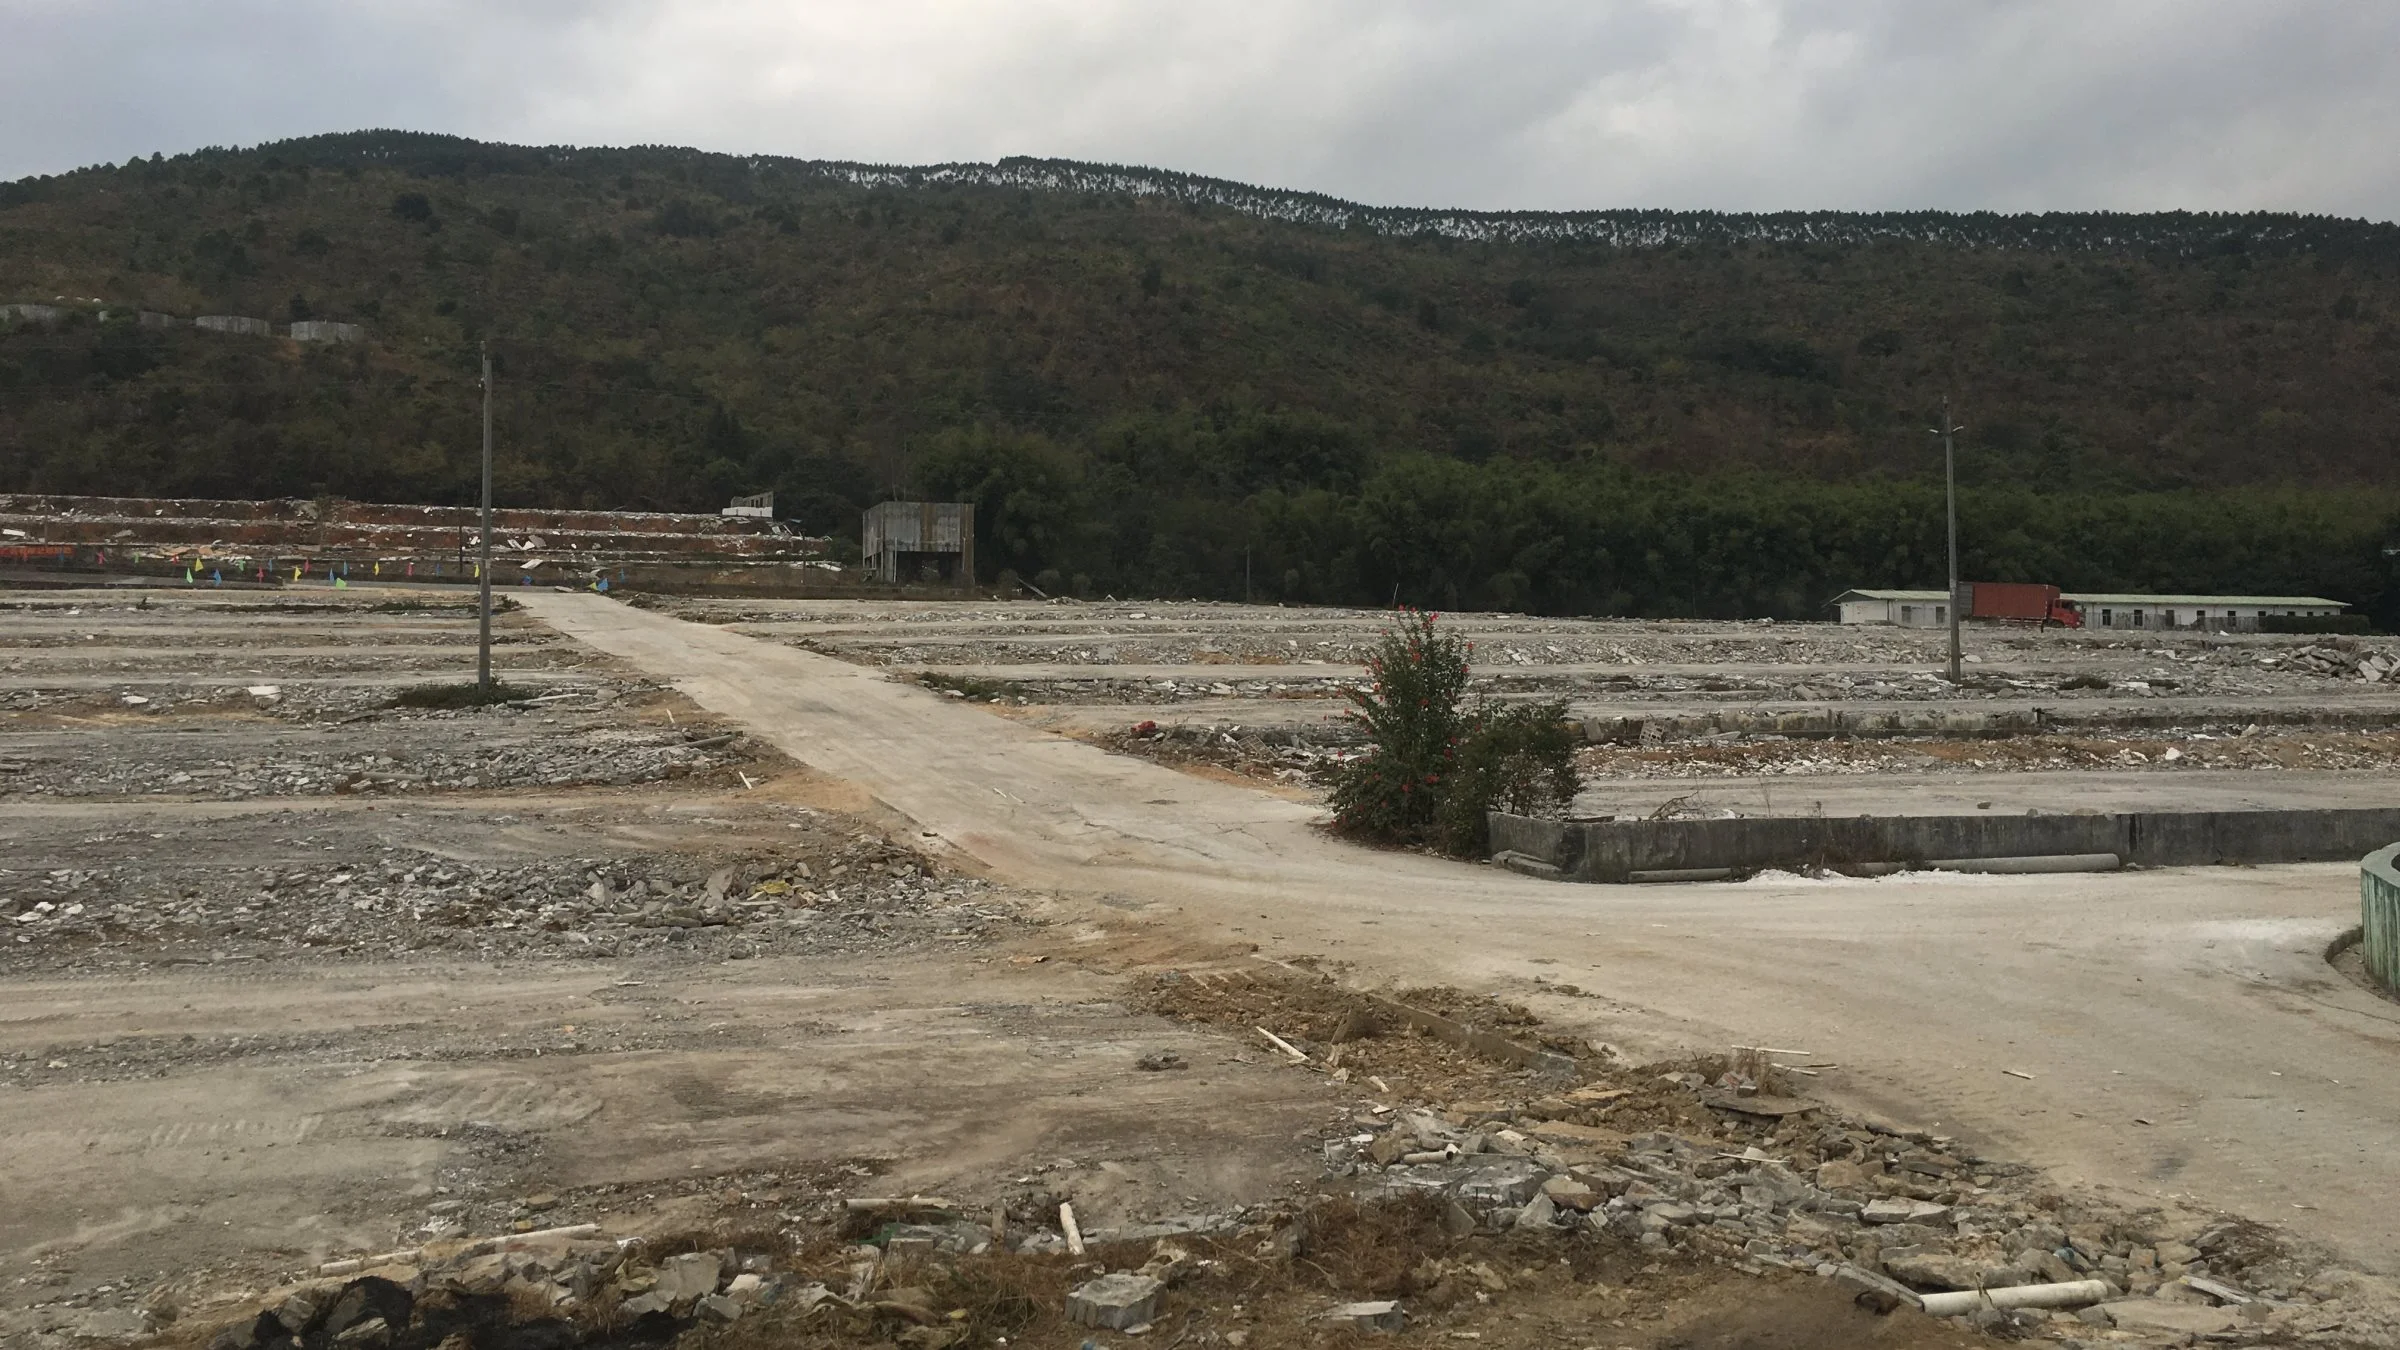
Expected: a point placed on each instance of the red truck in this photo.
(2020, 602)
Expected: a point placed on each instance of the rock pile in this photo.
(1891, 1215)
(361, 762)
(1731, 755)
(2339, 663)
(547, 1288)
(860, 893)
(1285, 754)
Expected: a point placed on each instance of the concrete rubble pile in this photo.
(572, 1282)
(2241, 676)
(434, 539)
(865, 895)
(296, 695)
(611, 757)
(1896, 1220)
(1288, 755)
(1154, 634)
(1894, 1216)
(1106, 689)
(1307, 755)
(2342, 664)
(546, 1287)
(1732, 755)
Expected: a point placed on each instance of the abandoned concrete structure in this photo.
(919, 541)
(325, 330)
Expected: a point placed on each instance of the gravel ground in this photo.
(2160, 752)
(1306, 757)
(1203, 635)
(237, 754)
(823, 891)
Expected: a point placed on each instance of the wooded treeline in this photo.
(1159, 384)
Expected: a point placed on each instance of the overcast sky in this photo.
(1734, 104)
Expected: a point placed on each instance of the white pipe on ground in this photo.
(2072, 1294)
(2030, 863)
(1681, 874)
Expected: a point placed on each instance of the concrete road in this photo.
(2183, 1034)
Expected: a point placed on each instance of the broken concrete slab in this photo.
(2149, 1314)
(1381, 1315)
(1507, 1182)
(1571, 1193)
(1890, 1210)
(688, 1276)
(1115, 1301)
(1877, 1292)
(1927, 1268)
(1539, 1212)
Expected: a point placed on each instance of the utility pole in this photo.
(1950, 482)
(483, 642)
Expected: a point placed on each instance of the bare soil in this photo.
(368, 979)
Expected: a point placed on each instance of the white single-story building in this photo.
(1909, 609)
(1931, 609)
(2197, 611)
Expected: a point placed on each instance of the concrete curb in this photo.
(1614, 851)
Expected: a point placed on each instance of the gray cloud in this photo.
(1736, 104)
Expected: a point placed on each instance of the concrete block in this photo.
(2156, 1315)
(1115, 1301)
(691, 1275)
(1383, 1315)
(1878, 1292)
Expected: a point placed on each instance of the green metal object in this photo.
(2379, 916)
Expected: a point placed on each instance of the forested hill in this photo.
(1161, 383)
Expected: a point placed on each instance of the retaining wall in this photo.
(1612, 850)
(2379, 916)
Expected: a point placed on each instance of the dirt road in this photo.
(263, 1114)
(2182, 1033)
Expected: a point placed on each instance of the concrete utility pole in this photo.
(483, 642)
(1950, 482)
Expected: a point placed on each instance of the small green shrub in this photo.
(1520, 760)
(1412, 715)
(1435, 766)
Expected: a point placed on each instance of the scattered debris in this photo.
(1298, 1055)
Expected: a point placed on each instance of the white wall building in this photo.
(2196, 611)
(1931, 609)
(1908, 609)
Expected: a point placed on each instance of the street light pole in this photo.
(483, 644)
(1946, 431)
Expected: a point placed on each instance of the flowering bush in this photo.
(1434, 766)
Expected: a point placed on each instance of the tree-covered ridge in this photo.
(2178, 233)
(1161, 383)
